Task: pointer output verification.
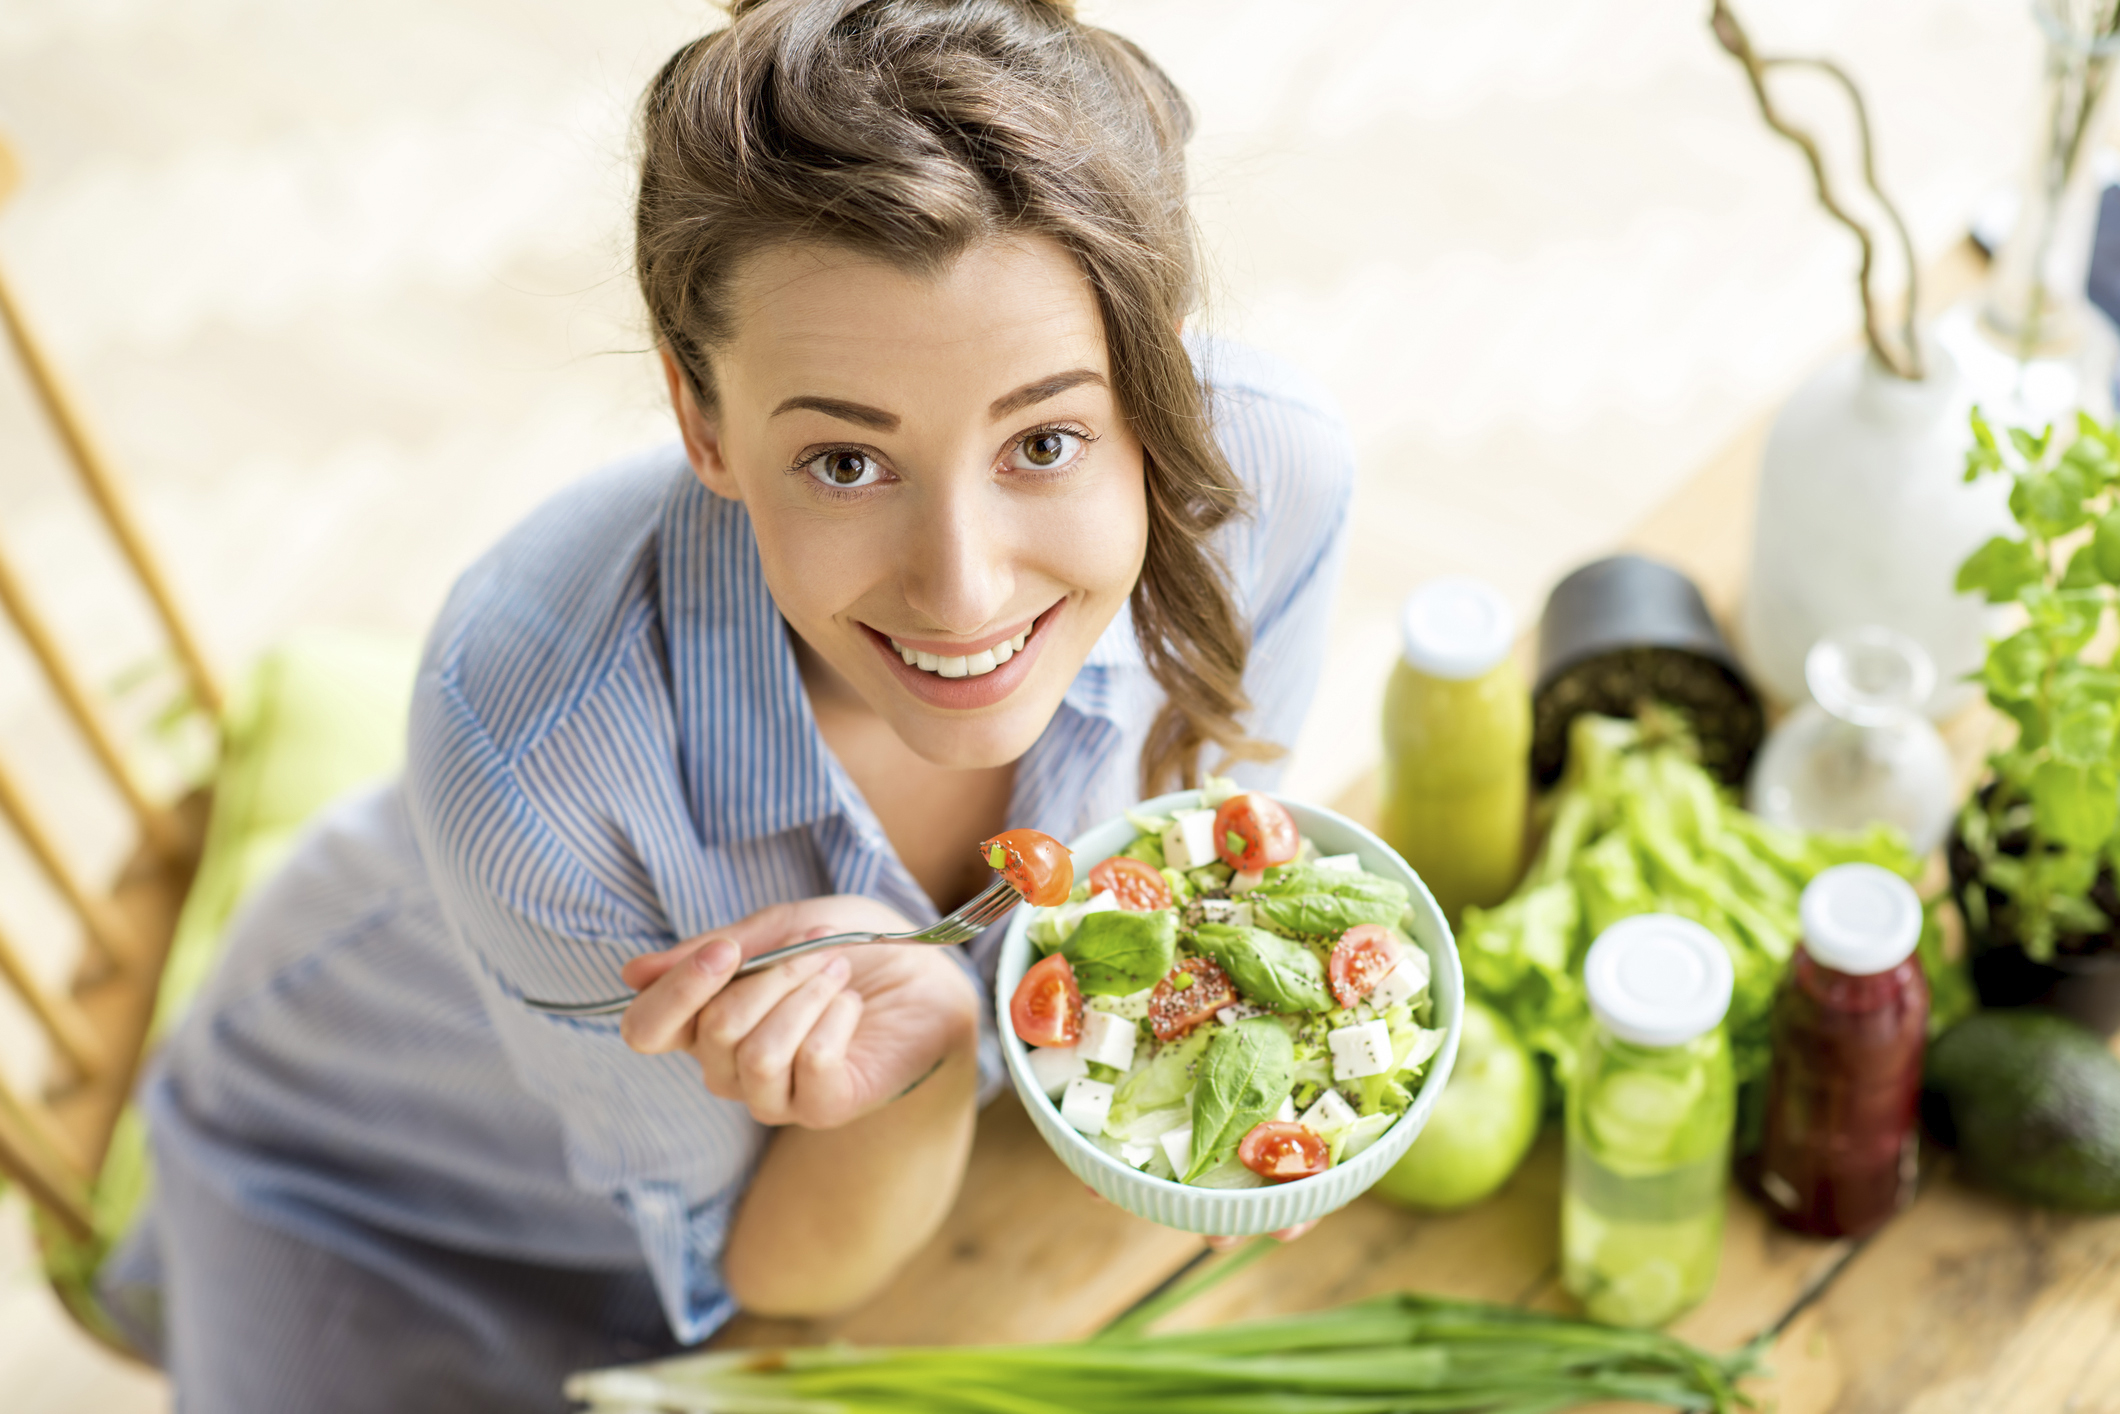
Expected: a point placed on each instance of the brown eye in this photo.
(845, 469)
(1044, 451)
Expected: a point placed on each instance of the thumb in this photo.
(753, 934)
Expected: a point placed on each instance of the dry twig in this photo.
(1903, 359)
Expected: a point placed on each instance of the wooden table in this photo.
(1964, 1303)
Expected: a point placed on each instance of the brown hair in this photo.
(909, 130)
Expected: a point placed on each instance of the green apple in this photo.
(1482, 1125)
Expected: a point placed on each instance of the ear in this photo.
(701, 436)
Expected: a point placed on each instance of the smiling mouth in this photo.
(970, 665)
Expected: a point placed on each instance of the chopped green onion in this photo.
(1404, 1354)
(997, 857)
(1233, 842)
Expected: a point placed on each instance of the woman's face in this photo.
(936, 467)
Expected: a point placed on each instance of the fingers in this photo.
(663, 1016)
(1286, 1234)
(764, 1060)
(823, 1090)
(1290, 1234)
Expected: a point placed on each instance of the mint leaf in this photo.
(2032, 448)
(2002, 569)
(2083, 733)
(2075, 806)
(2014, 666)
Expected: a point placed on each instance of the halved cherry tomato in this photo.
(1174, 1010)
(1047, 1007)
(1278, 1150)
(1038, 865)
(1359, 961)
(1254, 831)
(1137, 884)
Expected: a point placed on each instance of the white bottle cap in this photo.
(1658, 980)
(1860, 919)
(1456, 628)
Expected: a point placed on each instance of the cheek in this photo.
(1096, 540)
(818, 565)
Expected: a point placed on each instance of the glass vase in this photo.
(2030, 347)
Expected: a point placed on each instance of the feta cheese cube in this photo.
(1287, 1113)
(1402, 983)
(1345, 863)
(1107, 1039)
(1328, 1111)
(1086, 1105)
(1225, 910)
(1177, 1147)
(1238, 1011)
(1245, 880)
(1138, 1154)
(1053, 1066)
(1190, 840)
(1359, 1051)
(1133, 1006)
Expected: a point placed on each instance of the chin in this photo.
(962, 745)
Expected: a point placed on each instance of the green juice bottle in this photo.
(1457, 737)
(1651, 1109)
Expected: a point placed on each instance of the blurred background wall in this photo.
(345, 289)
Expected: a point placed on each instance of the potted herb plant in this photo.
(2034, 853)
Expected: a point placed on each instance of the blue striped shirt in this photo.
(610, 750)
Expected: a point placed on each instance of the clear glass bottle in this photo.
(1457, 741)
(1861, 751)
(1850, 1027)
(1650, 1114)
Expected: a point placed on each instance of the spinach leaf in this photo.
(1271, 972)
(1115, 954)
(1247, 1071)
(1299, 899)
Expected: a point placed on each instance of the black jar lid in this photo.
(1627, 631)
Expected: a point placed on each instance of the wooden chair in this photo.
(53, 1145)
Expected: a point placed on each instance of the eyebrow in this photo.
(1031, 394)
(863, 415)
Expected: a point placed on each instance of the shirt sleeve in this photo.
(1294, 455)
(551, 906)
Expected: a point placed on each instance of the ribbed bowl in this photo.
(1240, 1212)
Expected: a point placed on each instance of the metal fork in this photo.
(960, 925)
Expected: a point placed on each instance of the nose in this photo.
(957, 557)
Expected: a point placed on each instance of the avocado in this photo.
(2032, 1102)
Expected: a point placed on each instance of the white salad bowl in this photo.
(1243, 1211)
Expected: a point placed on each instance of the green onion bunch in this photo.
(1403, 1354)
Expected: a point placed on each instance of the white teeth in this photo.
(971, 665)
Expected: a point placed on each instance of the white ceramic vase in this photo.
(1864, 516)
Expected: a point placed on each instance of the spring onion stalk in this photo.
(1403, 1354)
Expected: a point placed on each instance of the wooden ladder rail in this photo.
(53, 1145)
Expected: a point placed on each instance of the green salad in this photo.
(1221, 1006)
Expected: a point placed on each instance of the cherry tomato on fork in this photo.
(1047, 1007)
(1038, 865)
(1278, 1150)
(1359, 961)
(1254, 831)
(1135, 883)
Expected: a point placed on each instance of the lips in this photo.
(966, 681)
(970, 665)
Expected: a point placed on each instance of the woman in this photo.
(951, 543)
